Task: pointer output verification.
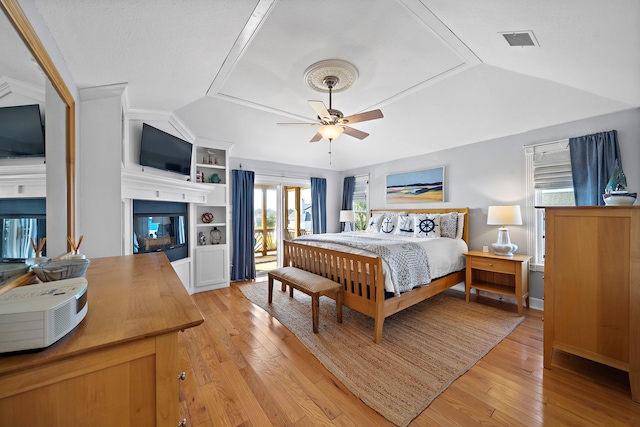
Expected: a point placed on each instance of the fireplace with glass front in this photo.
(161, 227)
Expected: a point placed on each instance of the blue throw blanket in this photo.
(408, 262)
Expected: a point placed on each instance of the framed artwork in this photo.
(416, 187)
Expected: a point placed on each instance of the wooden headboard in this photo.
(465, 230)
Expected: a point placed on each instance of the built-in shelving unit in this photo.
(211, 256)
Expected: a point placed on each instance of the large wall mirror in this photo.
(28, 76)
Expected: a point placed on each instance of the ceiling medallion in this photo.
(344, 73)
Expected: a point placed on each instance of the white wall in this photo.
(493, 173)
(99, 181)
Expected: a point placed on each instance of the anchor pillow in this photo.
(390, 222)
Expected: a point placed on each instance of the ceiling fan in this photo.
(331, 122)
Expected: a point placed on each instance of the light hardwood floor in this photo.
(245, 369)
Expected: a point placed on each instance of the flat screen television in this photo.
(21, 132)
(161, 150)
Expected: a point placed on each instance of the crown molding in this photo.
(99, 92)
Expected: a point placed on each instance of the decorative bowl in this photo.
(620, 199)
(11, 270)
(60, 270)
(207, 217)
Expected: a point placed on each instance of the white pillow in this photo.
(426, 225)
(460, 225)
(373, 226)
(405, 225)
(449, 225)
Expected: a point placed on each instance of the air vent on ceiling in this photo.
(520, 38)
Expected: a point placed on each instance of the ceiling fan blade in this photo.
(298, 124)
(355, 132)
(320, 109)
(362, 117)
(317, 137)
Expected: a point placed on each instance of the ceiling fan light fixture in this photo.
(330, 132)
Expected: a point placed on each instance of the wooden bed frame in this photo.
(361, 276)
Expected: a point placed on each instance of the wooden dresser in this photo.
(119, 366)
(592, 286)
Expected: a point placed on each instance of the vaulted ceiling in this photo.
(440, 70)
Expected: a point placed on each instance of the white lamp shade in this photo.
(504, 215)
(330, 131)
(347, 216)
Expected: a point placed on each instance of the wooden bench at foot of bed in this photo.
(362, 281)
(308, 283)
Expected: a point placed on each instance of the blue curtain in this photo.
(243, 265)
(348, 188)
(319, 205)
(593, 158)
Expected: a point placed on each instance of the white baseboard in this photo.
(534, 303)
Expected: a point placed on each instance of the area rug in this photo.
(423, 350)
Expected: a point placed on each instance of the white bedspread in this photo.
(445, 255)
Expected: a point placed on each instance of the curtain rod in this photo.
(282, 175)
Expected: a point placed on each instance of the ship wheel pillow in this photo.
(426, 225)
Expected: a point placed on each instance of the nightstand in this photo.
(499, 275)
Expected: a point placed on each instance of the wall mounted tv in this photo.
(161, 150)
(21, 132)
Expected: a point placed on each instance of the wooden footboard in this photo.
(360, 276)
(362, 281)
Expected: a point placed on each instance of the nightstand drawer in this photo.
(496, 265)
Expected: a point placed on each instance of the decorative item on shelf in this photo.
(215, 178)
(213, 157)
(207, 217)
(202, 240)
(615, 193)
(502, 216)
(75, 249)
(216, 236)
(347, 217)
(199, 176)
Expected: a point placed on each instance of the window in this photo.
(360, 207)
(549, 183)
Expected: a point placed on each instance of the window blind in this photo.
(360, 191)
(551, 166)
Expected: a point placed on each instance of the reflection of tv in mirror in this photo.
(21, 132)
(161, 150)
(23, 221)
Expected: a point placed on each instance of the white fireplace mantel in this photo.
(17, 181)
(140, 185)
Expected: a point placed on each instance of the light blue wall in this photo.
(476, 175)
(493, 173)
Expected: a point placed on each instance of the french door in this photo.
(282, 211)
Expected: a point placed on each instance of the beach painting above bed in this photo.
(416, 187)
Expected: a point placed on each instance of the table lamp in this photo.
(347, 217)
(503, 216)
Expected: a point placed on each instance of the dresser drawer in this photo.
(496, 265)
